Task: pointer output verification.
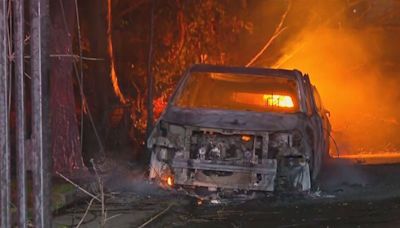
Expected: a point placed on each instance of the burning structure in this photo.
(232, 128)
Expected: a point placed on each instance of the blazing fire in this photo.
(265, 100)
(113, 73)
(282, 101)
(362, 125)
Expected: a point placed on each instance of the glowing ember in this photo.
(372, 155)
(170, 181)
(159, 105)
(113, 75)
(246, 138)
(278, 100)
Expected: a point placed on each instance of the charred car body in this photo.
(236, 128)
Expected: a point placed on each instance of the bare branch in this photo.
(275, 35)
(84, 215)
(69, 56)
(155, 217)
(111, 217)
(133, 5)
(101, 188)
(288, 56)
(79, 187)
(77, 57)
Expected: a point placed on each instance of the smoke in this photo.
(132, 178)
(343, 175)
(347, 48)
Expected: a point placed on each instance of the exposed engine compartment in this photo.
(227, 159)
(206, 146)
(247, 148)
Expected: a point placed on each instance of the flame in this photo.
(360, 122)
(246, 138)
(262, 100)
(170, 181)
(278, 100)
(113, 74)
(159, 105)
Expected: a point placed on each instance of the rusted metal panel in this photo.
(39, 12)
(4, 121)
(20, 110)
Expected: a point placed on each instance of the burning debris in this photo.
(240, 129)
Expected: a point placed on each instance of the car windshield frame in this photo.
(249, 72)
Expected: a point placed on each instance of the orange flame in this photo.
(278, 100)
(169, 181)
(113, 74)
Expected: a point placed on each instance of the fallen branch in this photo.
(111, 217)
(101, 188)
(86, 212)
(77, 186)
(275, 35)
(155, 217)
(288, 56)
(131, 7)
(68, 56)
(76, 57)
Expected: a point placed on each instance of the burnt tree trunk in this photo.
(66, 145)
(98, 87)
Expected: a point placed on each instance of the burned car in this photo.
(237, 128)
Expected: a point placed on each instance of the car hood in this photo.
(234, 120)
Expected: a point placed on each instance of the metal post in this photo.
(39, 12)
(20, 110)
(4, 122)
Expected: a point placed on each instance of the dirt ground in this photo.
(347, 195)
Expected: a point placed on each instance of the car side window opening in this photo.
(317, 99)
(308, 97)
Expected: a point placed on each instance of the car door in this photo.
(316, 127)
(324, 114)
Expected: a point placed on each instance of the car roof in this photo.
(294, 74)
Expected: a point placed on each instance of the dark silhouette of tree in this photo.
(66, 145)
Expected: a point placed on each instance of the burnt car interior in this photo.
(239, 92)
